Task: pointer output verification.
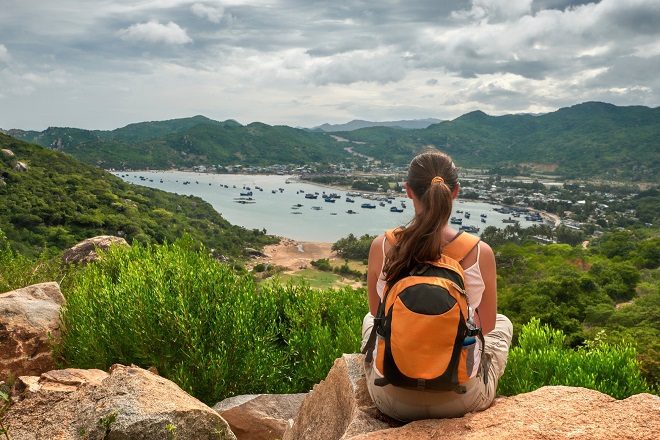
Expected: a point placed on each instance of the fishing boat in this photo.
(395, 209)
(311, 196)
(329, 200)
(469, 228)
(456, 221)
(368, 206)
(350, 211)
(349, 200)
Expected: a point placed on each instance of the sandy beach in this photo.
(295, 255)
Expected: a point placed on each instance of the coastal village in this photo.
(584, 207)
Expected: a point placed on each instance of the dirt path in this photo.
(296, 255)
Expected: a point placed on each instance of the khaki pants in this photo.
(407, 405)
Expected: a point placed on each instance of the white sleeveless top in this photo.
(474, 287)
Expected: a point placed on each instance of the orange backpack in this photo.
(426, 337)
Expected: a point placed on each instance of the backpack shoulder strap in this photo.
(460, 246)
(390, 236)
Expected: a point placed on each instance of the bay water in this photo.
(274, 200)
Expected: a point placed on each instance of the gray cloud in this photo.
(303, 63)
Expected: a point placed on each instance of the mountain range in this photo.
(588, 140)
(357, 124)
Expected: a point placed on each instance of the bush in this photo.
(203, 325)
(540, 359)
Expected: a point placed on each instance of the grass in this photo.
(316, 279)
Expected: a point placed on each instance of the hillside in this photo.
(59, 201)
(358, 123)
(589, 140)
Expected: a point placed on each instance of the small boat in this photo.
(467, 215)
(316, 208)
(382, 203)
(329, 200)
(311, 196)
(456, 221)
(483, 220)
(246, 194)
(395, 209)
(509, 220)
(350, 211)
(298, 205)
(469, 228)
(296, 212)
(459, 211)
(368, 206)
(333, 213)
(349, 200)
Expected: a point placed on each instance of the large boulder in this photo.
(260, 416)
(85, 251)
(552, 412)
(340, 408)
(28, 318)
(130, 403)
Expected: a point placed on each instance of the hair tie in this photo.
(437, 179)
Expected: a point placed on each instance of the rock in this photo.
(20, 166)
(255, 253)
(551, 412)
(340, 406)
(130, 403)
(52, 385)
(85, 251)
(260, 416)
(8, 152)
(28, 317)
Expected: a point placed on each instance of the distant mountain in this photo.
(59, 138)
(357, 124)
(53, 201)
(592, 139)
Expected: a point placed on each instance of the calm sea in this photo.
(273, 207)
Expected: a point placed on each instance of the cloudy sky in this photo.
(101, 64)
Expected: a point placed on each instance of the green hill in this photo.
(589, 140)
(60, 201)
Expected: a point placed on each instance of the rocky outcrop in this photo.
(28, 317)
(85, 251)
(20, 166)
(128, 403)
(260, 416)
(340, 408)
(8, 152)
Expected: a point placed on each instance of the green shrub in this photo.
(203, 325)
(540, 359)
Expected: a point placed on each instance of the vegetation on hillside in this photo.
(592, 139)
(207, 327)
(587, 140)
(59, 201)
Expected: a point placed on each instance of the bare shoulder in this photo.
(485, 249)
(376, 245)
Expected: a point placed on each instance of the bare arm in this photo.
(488, 306)
(373, 272)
